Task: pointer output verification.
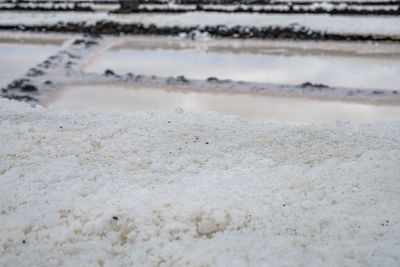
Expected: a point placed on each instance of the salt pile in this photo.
(195, 188)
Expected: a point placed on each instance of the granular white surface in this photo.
(380, 25)
(195, 188)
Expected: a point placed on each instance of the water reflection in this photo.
(292, 64)
(16, 58)
(252, 107)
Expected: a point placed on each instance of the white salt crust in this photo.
(375, 25)
(195, 188)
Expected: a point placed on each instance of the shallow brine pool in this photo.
(356, 65)
(253, 107)
(18, 57)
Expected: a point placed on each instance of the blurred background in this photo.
(301, 61)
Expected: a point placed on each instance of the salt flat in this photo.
(380, 25)
(195, 188)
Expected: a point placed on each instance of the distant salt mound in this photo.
(194, 188)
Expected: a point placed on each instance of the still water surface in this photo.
(348, 65)
(252, 107)
(17, 58)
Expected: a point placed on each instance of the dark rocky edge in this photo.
(294, 32)
(28, 88)
(63, 68)
(317, 86)
(290, 10)
(333, 11)
(305, 10)
(306, 89)
(269, 2)
(218, 2)
(75, 8)
(22, 90)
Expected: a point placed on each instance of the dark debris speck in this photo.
(115, 218)
(313, 85)
(377, 92)
(109, 72)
